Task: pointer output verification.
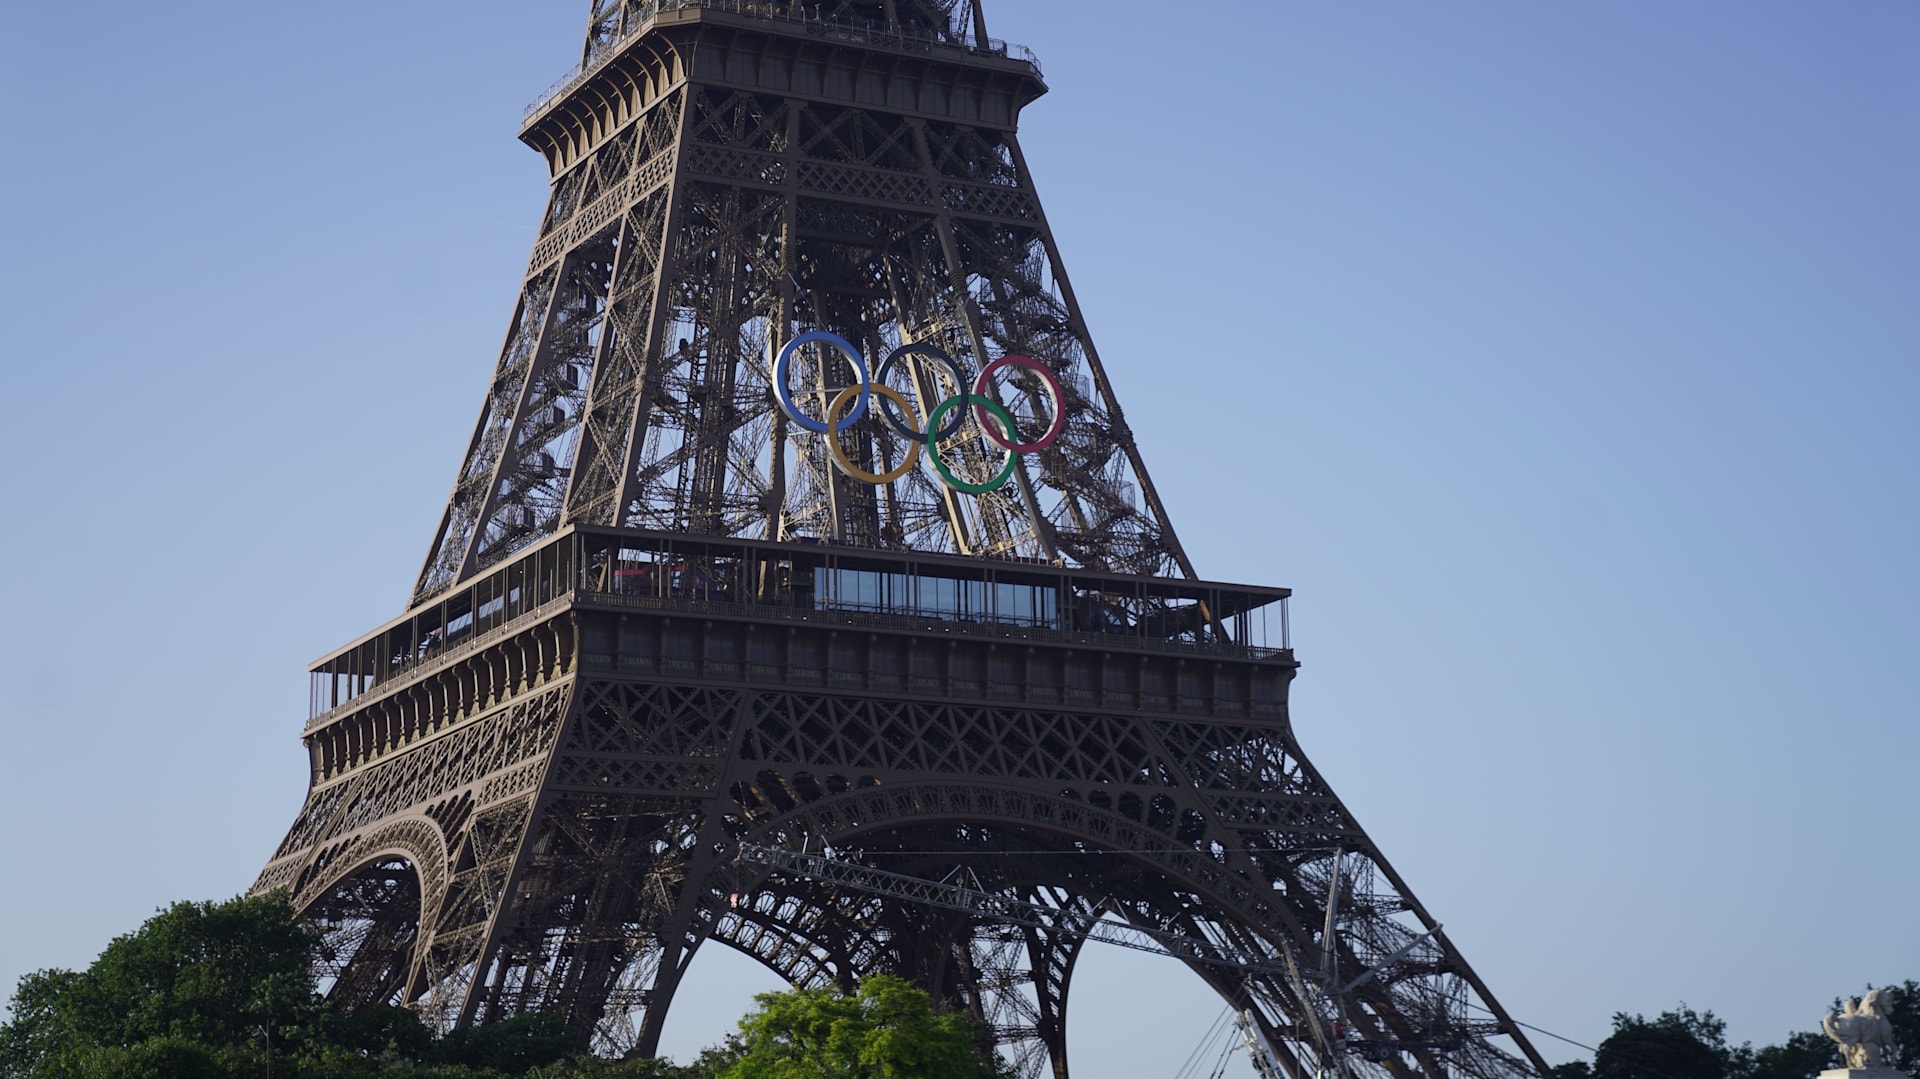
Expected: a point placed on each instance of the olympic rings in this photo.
(933, 352)
(898, 413)
(1053, 392)
(933, 447)
(783, 366)
(846, 464)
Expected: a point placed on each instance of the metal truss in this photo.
(711, 201)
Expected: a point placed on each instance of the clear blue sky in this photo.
(1562, 357)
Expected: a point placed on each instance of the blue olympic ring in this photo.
(783, 366)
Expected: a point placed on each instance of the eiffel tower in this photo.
(801, 512)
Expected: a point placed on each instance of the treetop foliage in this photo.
(1686, 1044)
(227, 990)
(888, 1030)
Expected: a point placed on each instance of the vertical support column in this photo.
(589, 451)
(703, 874)
(832, 478)
(782, 329)
(1052, 956)
(651, 347)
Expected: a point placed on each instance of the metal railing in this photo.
(858, 30)
(927, 623)
(395, 675)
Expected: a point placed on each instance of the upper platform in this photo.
(792, 50)
(787, 583)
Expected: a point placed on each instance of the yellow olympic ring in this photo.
(832, 424)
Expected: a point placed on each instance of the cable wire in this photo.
(1206, 1040)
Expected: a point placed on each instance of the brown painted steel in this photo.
(625, 653)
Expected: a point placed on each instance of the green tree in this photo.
(888, 1030)
(650, 1068)
(158, 1058)
(513, 1046)
(1802, 1056)
(202, 989)
(380, 1031)
(1680, 1044)
(212, 975)
(1903, 1003)
(37, 1032)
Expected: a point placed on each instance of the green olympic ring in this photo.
(933, 444)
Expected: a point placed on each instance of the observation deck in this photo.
(636, 603)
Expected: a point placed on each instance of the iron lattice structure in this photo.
(656, 621)
(729, 174)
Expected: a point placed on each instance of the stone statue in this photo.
(1862, 1031)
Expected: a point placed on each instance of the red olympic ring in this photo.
(983, 383)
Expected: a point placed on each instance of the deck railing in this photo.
(968, 627)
